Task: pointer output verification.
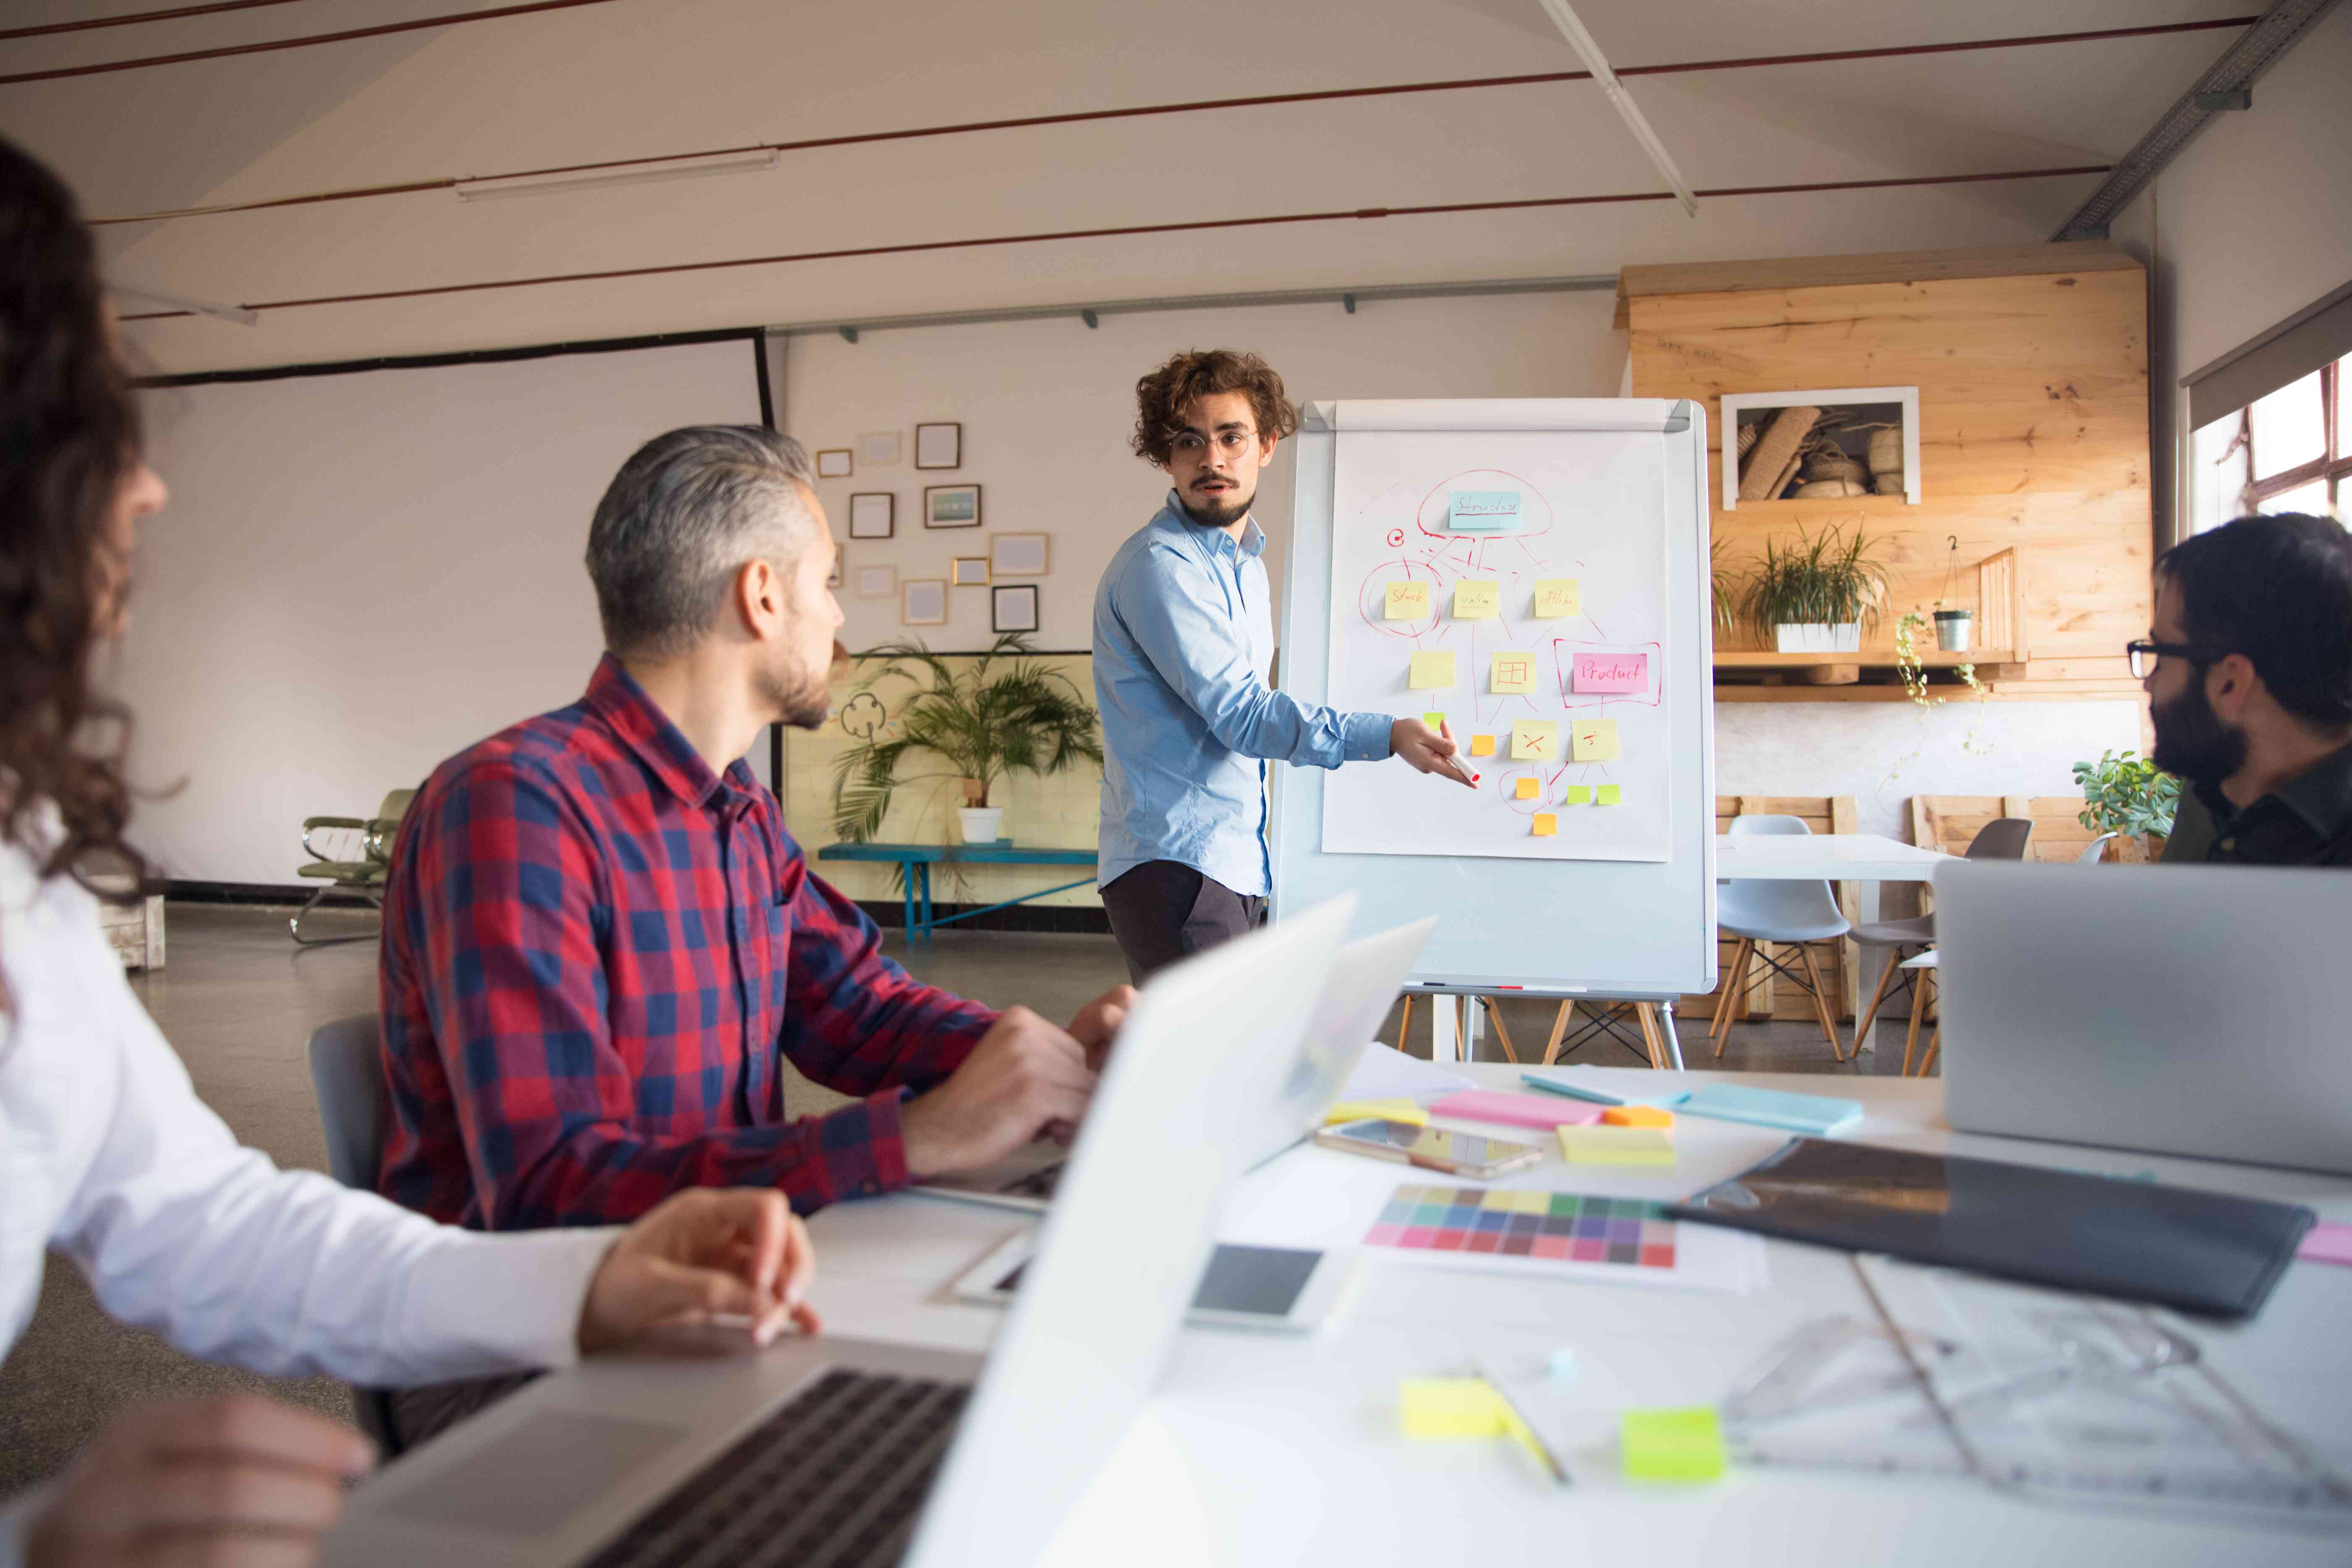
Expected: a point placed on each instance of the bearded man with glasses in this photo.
(2248, 671)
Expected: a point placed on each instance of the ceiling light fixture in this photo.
(240, 314)
(1590, 53)
(683, 169)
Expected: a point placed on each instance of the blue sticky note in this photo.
(1815, 1113)
(1483, 512)
(1599, 1096)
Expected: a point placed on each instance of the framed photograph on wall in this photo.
(1017, 554)
(834, 463)
(923, 601)
(1013, 609)
(876, 581)
(873, 514)
(970, 571)
(951, 506)
(939, 445)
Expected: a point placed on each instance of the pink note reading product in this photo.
(1514, 1110)
(1612, 672)
(2328, 1243)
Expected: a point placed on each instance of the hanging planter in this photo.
(1955, 628)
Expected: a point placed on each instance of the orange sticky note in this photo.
(1482, 745)
(1534, 741)
(1546, 827)
(1636, 1116)
(1595, 740)
(1528, 788)
(1407, 601)
(1514, 675)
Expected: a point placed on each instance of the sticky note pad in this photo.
(2326, 1242)
(1512, 675)
(1386, 1109)
(1482, 745)
(1535, 740)
(1526, 789)
(1563, 1368)
(1477, 600)
(1438, 1407)
(1619, 672)
(1595, 740)
(1545, 826)
(1483, 512)
(1407, 601)
(1636, 1116)
(1557, 597)
(1431, 671)
(1434, 721)
(1672, 1444)
(1578, 794)
(1610, 794)
(1616, 1145)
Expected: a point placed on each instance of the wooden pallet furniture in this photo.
(1950, 823)
(2000, 644)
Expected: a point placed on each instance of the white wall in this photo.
(359, 575)
(2249, 225)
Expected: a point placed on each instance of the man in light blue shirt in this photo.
(1183, 640)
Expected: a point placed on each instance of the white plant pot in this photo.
(980, 824)
(1953, 631)
(1817, 636)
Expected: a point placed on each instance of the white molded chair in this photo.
(1758, 909)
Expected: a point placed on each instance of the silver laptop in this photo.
(2181, 1009)
(1280, 1098)
(820, 1452)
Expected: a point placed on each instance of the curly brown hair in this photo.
(69, 433)
(1161, 397)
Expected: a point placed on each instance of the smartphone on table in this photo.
(1431, 1148)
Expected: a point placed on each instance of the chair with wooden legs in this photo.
(1755, 910)
(1461, 1024)
(1605, 1021)
(1925, 970)
(2003, 838)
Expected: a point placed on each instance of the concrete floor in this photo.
(239, 1001)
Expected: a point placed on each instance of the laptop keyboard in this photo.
(834, 1479)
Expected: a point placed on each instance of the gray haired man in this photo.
(600, 946)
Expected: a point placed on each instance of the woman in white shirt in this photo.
(105, 1152)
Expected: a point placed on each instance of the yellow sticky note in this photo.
(1557, 597)
(1672, 1444)
(1577, 794)
(1408, 601)
(1386, 1109)
(1547, 826)
(1513, 675)
(1534, 741)
(1450, 1407)
(1605, 1145)
(1612, 795)
(1477, 600)
(1482, 745)
(1434, 721)
(1635, 1116)
(1432, 671)
(1527, 788)
(1595, 740)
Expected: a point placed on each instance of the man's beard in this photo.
(1222, 510)
(800, 700)
(2191, 740)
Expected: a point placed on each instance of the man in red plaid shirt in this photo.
(599, 939)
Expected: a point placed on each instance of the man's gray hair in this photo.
(686, 513)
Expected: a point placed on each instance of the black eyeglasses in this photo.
(2144, 655)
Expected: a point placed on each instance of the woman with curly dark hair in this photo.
(105, 1152)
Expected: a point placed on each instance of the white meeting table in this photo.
(1865, 859)
(1274, 1449)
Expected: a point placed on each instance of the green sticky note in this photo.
(1434, 721)
(1672, 1444)
(1610, 794)
(1577, 794)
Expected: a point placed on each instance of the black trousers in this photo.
(1163, 910)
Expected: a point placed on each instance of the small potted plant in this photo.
(2130, 795)
(1954, 627)
(1816, 596)
(1002, 713)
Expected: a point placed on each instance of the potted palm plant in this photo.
(1815, 596)
(1002, 713)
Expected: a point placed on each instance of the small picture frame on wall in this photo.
(834, 463)
(876, 581)
(951, 506)
(1013, 609)
(970, 571)
(878, 449)
(1017, 554)
(923, 601)
(873, 514)
(939, 445)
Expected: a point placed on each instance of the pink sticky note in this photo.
(1612, 672)
(2328, 1243)
(1515, 1110)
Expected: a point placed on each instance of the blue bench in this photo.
(915, 862)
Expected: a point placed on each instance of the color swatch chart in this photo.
(1521, 1223)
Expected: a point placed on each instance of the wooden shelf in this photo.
(1869, 503)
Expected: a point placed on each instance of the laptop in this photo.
(1281, 1098)
(2192, 1010)
(837, 1453)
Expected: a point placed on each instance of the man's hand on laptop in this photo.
(710, 1254)
(1022, 1078)
(1098, 1023)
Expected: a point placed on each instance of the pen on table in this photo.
(1527, 1432)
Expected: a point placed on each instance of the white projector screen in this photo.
(361, 573)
